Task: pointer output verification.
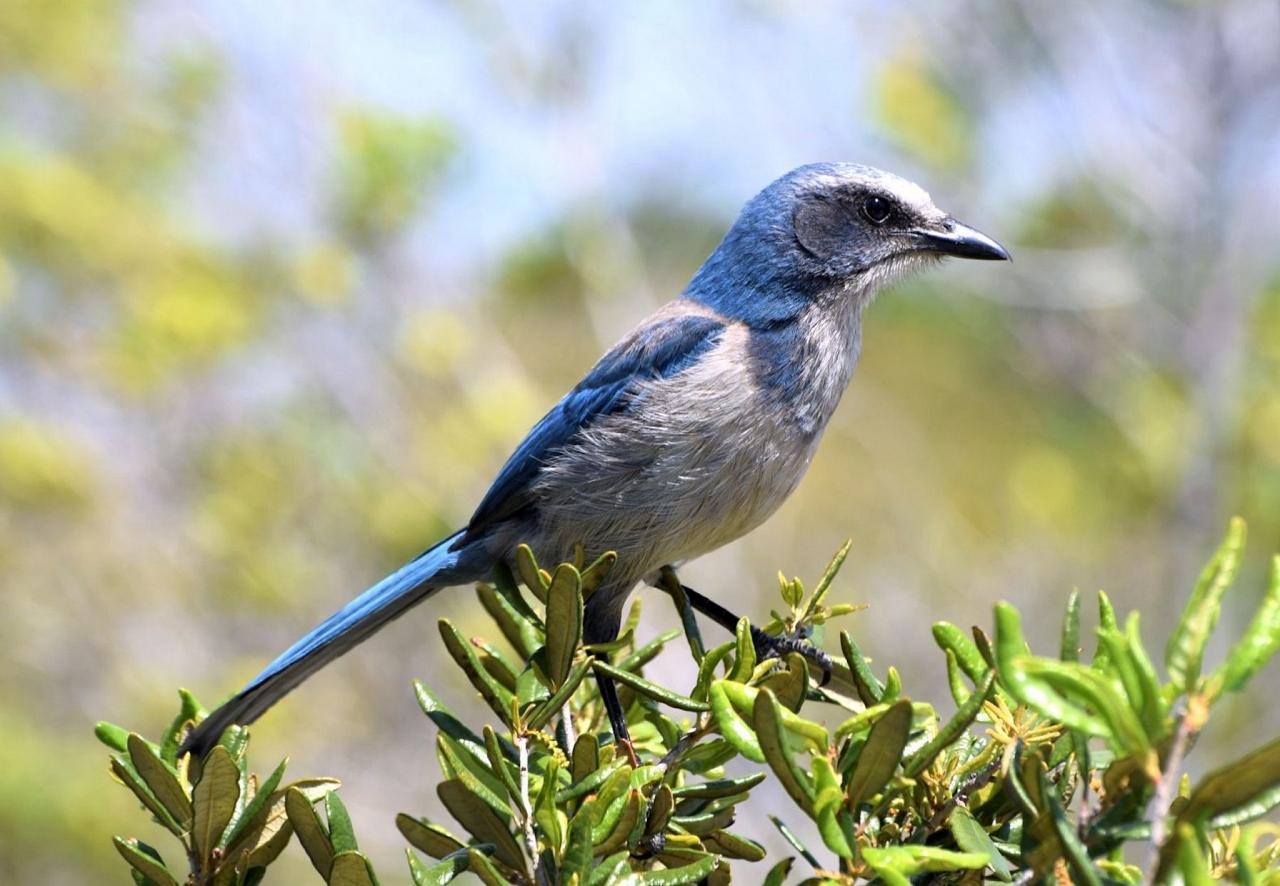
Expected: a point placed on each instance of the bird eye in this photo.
(876, 209)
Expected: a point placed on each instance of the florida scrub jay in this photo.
(690, 431)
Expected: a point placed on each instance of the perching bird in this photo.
(690, 431)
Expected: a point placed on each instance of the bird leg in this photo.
(617, 718)
(767, 645)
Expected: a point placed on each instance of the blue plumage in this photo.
(650, 353)
(690, 431)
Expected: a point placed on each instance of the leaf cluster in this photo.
(1048, 767)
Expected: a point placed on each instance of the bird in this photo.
(690, 431)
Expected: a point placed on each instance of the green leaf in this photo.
(1078, 688)
(614, 830)
(1260, 641)
(1082, 867)
(1071, 628)
(1256, 808)
(161, 779)
(123, 770)
(252, 815)
(912, 859)
(688, 621)
(480, 821)
(953, 728)
(564, 622)
(190, 711)
(828, 808)
(596, 572)
(1185, 651)
(214, 800)
(824, 583)
(499, 762)
(972, 837)
(430, 838)
(1192, 864)
(555, 703)
(796, 844)
(733, 846)
(341, 833)
(652, 690)
(588, 783)
(577, 854)
(480, 865)
(690, 873)
(477, 775)
(446, 721)
(951, 638)
(743, 700)
(311, 831)
(494, 693)
(955, 680)
(610, 870)
(1236, 785)
(778, 874)
(350, 868)
(438, 874)
(744, 662)
(869, 689)
(724, 787)
(144, 860)
(789, 684)
(661, 805)
(113, 736)
(880, 755)
(585, 757)
(772, 736)
(535, 579)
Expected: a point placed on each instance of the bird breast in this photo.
(701, 457)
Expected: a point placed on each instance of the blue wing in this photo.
(658, 350)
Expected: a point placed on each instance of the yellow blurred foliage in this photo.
(40, 467)
(920, 114)
(433, 340)
(1044, 486)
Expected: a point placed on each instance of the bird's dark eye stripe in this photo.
(876, 209)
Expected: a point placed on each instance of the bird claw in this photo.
(775, 646)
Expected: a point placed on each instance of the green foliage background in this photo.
(278, 293)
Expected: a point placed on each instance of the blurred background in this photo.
(281, 284)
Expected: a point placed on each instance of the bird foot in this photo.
(781, 645)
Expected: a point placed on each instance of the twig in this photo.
(526, 812)
(1158, 809)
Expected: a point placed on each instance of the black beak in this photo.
(961, 241)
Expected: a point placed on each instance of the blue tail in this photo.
(340, 632)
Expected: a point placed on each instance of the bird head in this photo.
(829, 228)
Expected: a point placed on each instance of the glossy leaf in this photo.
(951, 639)
(564, 622)
(145, 862)
(476, 816)
(350, 868)
(1185, 651)
(652, 690)
(953, 728)
(772, 736)
(493, 692)
(880, 755)
(1237, 784)
(311, 831)
(214, 800)
(824, 583)
(972, 837)
(1259, 643)
(430, 838)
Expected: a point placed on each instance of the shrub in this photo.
(1049, 767)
